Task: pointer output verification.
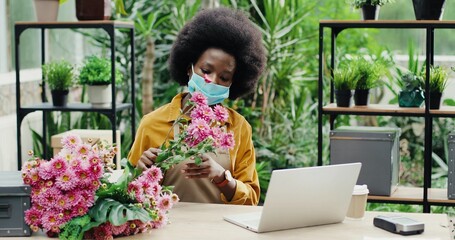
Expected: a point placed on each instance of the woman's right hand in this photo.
(148, 158)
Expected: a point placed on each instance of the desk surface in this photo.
(205, 221)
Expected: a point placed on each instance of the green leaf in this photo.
(449, 102)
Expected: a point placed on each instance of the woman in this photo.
(222, 47)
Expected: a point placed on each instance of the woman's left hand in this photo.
(209, 168)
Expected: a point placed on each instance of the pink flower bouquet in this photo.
(205, 133)
(73, 197)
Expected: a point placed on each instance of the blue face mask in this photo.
(215, 93)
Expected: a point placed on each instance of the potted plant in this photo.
(60, 78)
(428, 9)
(96, 73)
(411, 94)
(370, 8)
(97, 9)
(344, 80)
(438, 83)
(369, 74)
(47, 10)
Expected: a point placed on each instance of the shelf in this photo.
(79, 24)
(374, 109)
(414, 195)
(391, 110)
(81, 107)
(438, 195)
(386, 24)
(401, 194)
(444, 111)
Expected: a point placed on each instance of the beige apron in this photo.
(196, 190)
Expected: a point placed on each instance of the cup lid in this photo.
(360, 189)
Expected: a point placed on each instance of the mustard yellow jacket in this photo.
(154, 128)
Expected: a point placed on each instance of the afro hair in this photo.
(225, 29)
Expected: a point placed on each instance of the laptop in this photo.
(303, 197)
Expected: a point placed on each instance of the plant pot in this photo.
(361, 97)
(410, 98)
(435, 100)
(343, 98)
(370, 12)
(428, 9)
(93, 9)
(59, 97)
(46, 10)
(100, 95)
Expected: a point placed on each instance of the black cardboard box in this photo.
(14, 201)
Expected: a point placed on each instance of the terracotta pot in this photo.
(46, 10)
(93, 9)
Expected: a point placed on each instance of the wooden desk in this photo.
(205, 221)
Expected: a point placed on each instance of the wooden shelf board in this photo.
(373, 23)
(415, 194)
(444, 110)
(97, 22)
(438, 195)
(374, 108)
(409, 194)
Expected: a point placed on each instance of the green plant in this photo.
(345, 78)
(58, 75)
(97, 71)
(119, 6)
(438, 79)
(62, 1)
(369, 73)
(361, 3)
(410, 82)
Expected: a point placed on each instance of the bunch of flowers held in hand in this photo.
(73, 197)
(205, 133)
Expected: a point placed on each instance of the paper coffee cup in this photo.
(358, 202)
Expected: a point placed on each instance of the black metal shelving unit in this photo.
(423, 196)
(111, 112)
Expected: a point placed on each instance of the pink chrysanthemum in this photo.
(59, 165)
(74, 198)
(33, 216)
(117, 230)
(227, 140)
(50, 221)
(67, 180)
(161, 221)
(203, 112)
(135, 189)
(71, 141)
(49, 197)
(164, 202)
(198, 98)
(198, 131)
(221, 114)
(46, 171)
(153, 174)
(83, 149)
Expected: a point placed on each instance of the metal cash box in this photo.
(377, 148)
(14, 201)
